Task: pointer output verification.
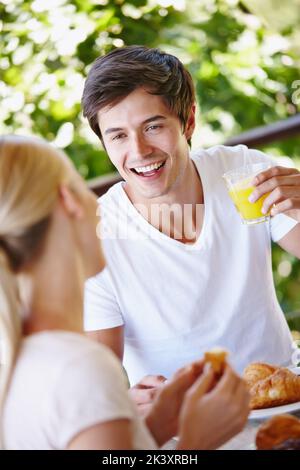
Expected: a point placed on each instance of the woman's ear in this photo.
(70, 202)
(190, 125)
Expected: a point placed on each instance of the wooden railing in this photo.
(102, 183)
(257, 137)
(266, 134)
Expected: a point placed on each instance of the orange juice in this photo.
(248, 210)
(239, 185)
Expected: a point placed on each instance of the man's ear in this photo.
(70, 202)
(191, 122)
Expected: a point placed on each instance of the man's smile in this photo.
(147, 171)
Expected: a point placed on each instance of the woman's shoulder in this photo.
(69, 361)
(59, 349)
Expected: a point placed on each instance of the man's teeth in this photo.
(145, 169)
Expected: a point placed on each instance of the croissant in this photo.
(271, 386)
(276, 431)
(257, 371)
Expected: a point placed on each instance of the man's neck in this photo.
(179, 213)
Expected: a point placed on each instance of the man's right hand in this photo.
(144, 392)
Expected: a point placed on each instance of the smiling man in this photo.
(183, 273)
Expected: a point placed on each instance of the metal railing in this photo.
(254, 138)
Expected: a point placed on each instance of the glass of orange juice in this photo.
(239, 186)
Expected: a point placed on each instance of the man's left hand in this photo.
(283, 184)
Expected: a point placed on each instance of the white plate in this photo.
(277, 410)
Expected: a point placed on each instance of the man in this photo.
(183, 273)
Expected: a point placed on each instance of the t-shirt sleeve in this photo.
(280, 225)
(101, 309)
(90, 389)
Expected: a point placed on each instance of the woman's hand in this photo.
(162, 416)
(211, 415)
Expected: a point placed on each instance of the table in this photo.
(245, 440)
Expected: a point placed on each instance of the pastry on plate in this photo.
(279, 432)
(271, 386)
(257, 371)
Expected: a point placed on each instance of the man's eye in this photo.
(118, 136)
(154, 127)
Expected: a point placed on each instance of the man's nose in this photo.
(139, 147)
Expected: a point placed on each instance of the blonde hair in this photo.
(31, 173)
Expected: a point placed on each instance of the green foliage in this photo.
(244, 75)
(293, 319)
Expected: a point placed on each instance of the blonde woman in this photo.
(59, 389)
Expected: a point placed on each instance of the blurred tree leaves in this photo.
(244, 75)
(243, 72)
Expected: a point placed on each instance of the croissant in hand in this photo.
(271, 386)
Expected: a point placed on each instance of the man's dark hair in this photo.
(121, 71)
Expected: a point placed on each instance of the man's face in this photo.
(145, 142)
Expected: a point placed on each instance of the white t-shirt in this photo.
(175, 300)
(62, 384)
